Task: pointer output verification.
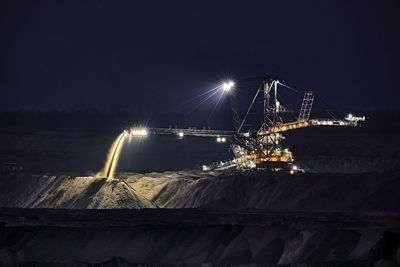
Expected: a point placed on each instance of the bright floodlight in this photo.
(138, 132)
(180, 134)
(227, 86)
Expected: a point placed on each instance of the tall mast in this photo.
(275, 101)
(266, 103)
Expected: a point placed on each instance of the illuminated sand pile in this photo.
(41, 191)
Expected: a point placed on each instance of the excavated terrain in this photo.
(161, 209)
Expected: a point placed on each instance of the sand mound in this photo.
(197, 189)
(69, 192)
(260, 190)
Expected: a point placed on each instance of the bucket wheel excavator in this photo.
(260, 148)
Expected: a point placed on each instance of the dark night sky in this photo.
(141, 55)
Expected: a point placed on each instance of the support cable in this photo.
(247, 113)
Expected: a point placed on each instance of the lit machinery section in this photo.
(261, 147)
(264, 146)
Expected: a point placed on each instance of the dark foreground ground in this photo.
(56, 237)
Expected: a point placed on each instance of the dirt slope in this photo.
(37, 191)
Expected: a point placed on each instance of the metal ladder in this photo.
(305, 110)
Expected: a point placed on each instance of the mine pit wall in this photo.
(195, 245)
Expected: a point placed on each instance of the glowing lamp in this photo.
(227, 86)
(139, 132)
